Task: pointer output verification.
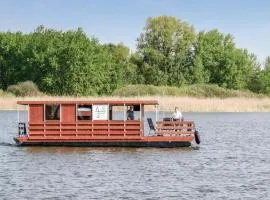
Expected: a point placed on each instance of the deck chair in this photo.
(151, 125)
(22, 129)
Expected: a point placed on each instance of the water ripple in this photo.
(232, 162)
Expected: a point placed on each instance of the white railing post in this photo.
(156, 113)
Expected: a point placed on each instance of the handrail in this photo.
(176, 128)
(87, 122)
(175, 122)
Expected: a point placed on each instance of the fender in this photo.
(197, 137)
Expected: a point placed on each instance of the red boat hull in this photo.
(154, 141)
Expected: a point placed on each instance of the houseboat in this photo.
(101, 124)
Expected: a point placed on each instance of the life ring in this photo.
(197, 137)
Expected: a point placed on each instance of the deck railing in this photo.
(92, 128)
(175, 128)
(112, 129)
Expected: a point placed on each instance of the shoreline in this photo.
(167, 103)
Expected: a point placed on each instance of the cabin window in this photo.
(52, 112)
(127, 112)
(116, 112)
(84, 112)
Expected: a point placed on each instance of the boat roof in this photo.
(111, 102)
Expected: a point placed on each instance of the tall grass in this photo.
(167, 103)
(5, 94)
(23, 89)
(195, 98)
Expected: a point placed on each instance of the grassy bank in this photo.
(167, 103)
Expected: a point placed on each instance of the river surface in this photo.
(232, 162)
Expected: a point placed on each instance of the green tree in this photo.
(120, 51)
(218, 61)
(166, 48)
(12, 62)
(61, 63)
(200, 75)
(265, 77)
(267, 63)
(121, 56)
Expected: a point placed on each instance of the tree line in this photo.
(169, 52)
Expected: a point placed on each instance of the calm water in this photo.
(233, 162)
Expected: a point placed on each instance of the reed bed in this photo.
(167, 103)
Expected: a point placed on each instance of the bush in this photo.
(198, 90)
(210, 90)
(5, 94)
(23, 89)
(137, 90)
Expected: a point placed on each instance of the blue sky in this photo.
(123, 21)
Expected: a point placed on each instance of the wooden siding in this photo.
(36, 113)
(113, 128)
(68, 113)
